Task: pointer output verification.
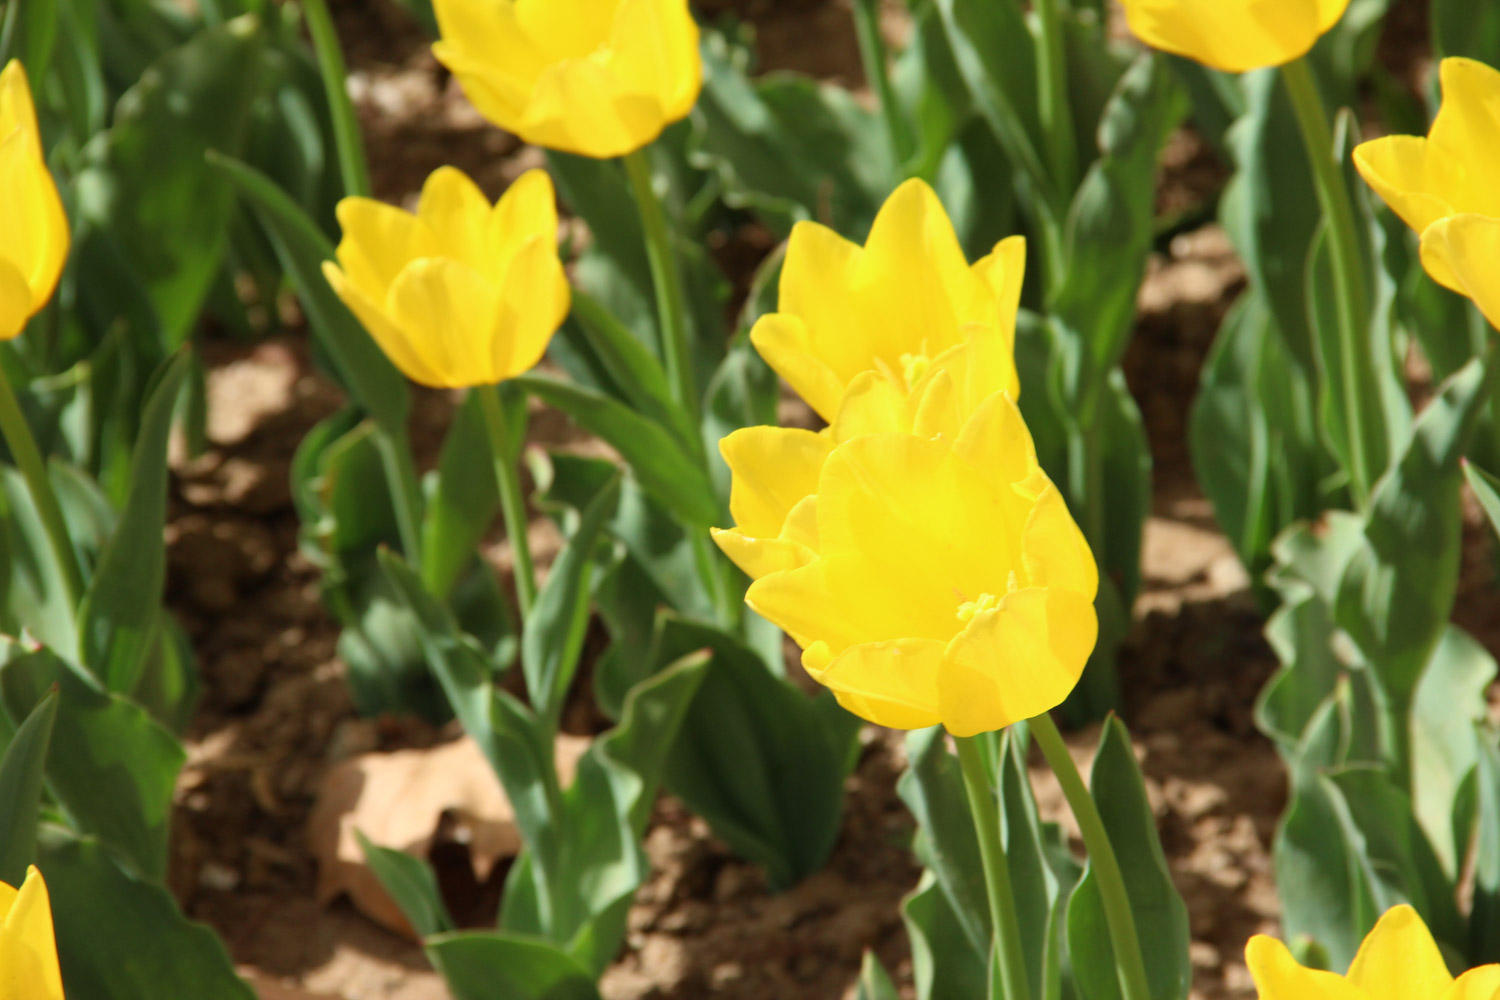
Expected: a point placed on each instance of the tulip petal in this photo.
(1465, 138)
(578, 106)
(997, 442)
(1016, 661)
(28, 948)
(15, 301)
(533, 304)
(1482, 983)
(381, 329)
(981, 366)
(892, 684)
(378, 241)
(1277, 975)
(1235, 36)
(449, 314)
(528, 208)
(872, 405)
(1465, 248)
(773, 469)
(36, 230)
(1403, 171)
(1053, 549)
(456, 213)
(760, 557)
(654, 51)
(16, 108)
(1399, 960)
(499, 96)
(785, 342)
(1004, 271)
(569, 30)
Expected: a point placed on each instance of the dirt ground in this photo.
(276, 715)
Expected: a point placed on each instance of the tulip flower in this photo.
(36, 230)
(1447, 186)
(461, 293)
(944, 580)
(600, 78)
(28, 951)
(1235, 36)
(891, 306)
(1397, 961)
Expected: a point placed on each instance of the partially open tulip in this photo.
(461, 293)
(28, 951)
(601, 78)
(943, 581)
(1397, 961)
(891, 306)
(35, 241)
(1447, 186)
(1235, 36)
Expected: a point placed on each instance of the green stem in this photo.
(512, 503)
(1348, 269)
(1129, 965)
(401, 482)
(671, 305)
(1007, 930)
(1052, 95)
(28, 459)
(346, 136)
(872, 54)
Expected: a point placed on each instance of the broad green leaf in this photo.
(874, 982)
(22, 767)
(757, 758)
(121, 938)
(664, 467)
(461, 504)
(1484, 917)
(1161, 918)
(484, 965)
(1464, 28)
(552, 636)
(1487, 488)
(120, 613)
(412, 883)
(35, 596)
(28, 32)
(1034, 885)
(371, 379)
(944, 960)
(111, 766)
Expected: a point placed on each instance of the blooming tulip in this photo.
(1447, 186)
(28, 952)
(944, 580)
(36, 230)
(1397, 961)
(601, 78)
(891, 306)
(461, 293)
(1235, 36)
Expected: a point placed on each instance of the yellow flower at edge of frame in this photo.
(1398, 960)
(35, 245)
(1235, 36)
(461, 293)
(1446, 186)
(905, 297)
(600, 78)
(28, 948)
(946, 581)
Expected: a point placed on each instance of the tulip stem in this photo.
(873, 55)
(353, 167)
(1006, 927)
(1052, 95)
(1129, 964)
(512, 503)
(671, 305)
(1358, 377)
(28, 459)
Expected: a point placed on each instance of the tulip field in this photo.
(749, 499)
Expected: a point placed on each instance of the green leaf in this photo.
(1487, 488)
(1462, 28)
(552, 636)
(120, 612)
(1161, 918)
(461, 505)
(143, 185)
(874, 982)
(758, 759)
(412, 883)
(1484, 917)
(483, 965)
(126, 939)
(944, 961)
(664, 467)
(111, 766)
(368, 375)
(22, 767)
(28, 32)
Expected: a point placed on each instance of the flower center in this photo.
(913, 367)
(968, 609)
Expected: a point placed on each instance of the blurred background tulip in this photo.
(36, 230)
(1235, 36)
(28, 952)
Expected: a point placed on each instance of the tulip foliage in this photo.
(947, 527)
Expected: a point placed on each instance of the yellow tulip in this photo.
(600, 78)
(1451, 177)
(891, 306)
(776, 468)
(28, 950)
(461, 293)
(35, 245)
(1397, 961)
(1235, 36)
(941, 579)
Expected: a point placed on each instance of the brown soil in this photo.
(276, 714)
